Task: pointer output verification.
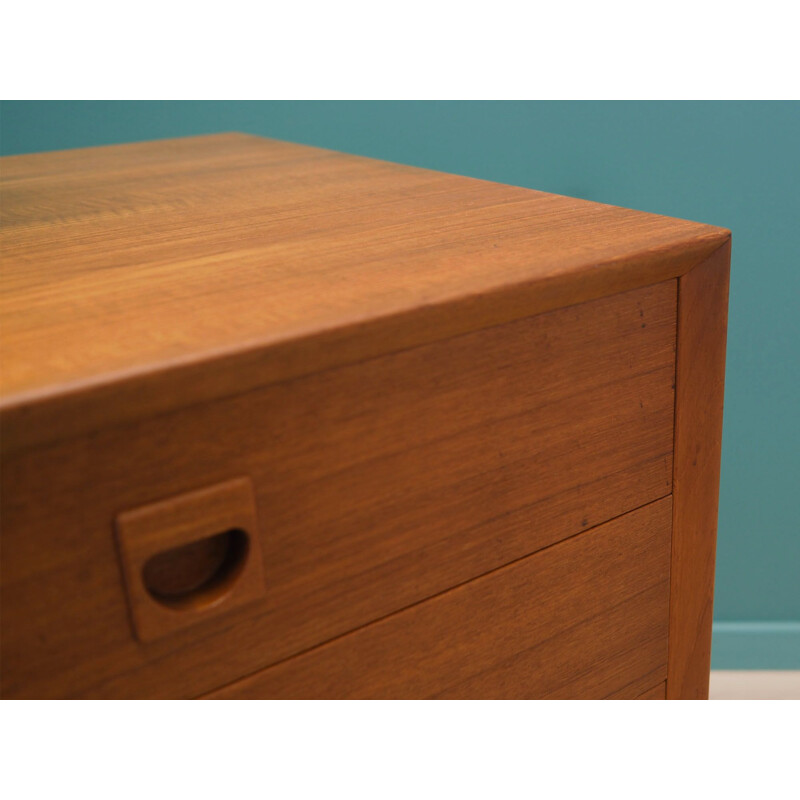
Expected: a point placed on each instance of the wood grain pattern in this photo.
(577, 620)
(377, 485)
(656, 693)
(138, 279)
(700, 388)
(640, 685)
(426, 378)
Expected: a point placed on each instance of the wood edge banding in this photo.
(699, 394)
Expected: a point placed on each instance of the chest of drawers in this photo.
(281, 422)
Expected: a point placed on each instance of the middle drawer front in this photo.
(584, 619)
(376, 486)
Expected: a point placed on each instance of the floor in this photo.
(754, 685)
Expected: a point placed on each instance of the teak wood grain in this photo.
(423, 398)
(640, 685)
(142, 278)
(700, 387)
(656, 693)
(578, 620)
(377, 485)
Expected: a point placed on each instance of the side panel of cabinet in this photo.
(700, 387)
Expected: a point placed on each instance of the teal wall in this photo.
(731, 164)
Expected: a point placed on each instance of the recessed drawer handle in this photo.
(190, 558)
(197, 574)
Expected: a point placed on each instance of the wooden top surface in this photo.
(137, 278)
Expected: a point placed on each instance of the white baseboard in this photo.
(755, 685)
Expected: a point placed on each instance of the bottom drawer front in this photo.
(585, 618)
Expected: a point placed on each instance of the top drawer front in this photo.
(376, 485)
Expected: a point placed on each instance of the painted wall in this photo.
(731, 164)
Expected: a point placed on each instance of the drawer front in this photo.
(583, 619)
(374, 486)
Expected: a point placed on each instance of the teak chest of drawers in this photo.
(286, 423)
